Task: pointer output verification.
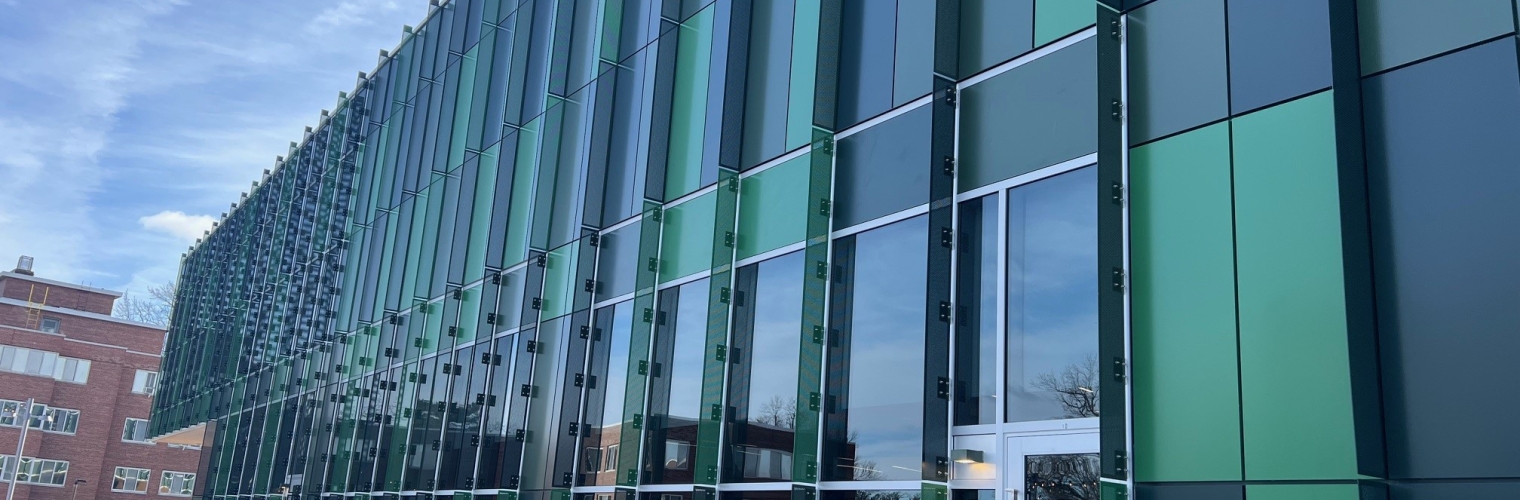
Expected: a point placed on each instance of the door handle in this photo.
(1013, 494)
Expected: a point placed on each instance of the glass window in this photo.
(144, 382)
(50, 324)
(993, 31)
(976, 318)
(774, 211)
(176, 484)
(770, 58)
(876, 495)
(875, 399)
(34, 470)
(687, 245)
(883, 169)
(675, 386)
(1061, 476)
(762, 382)
(130, 479)
(617, 262)
(1052, 298)
(135, 430)
(607, 386)
(1030, 117)
(60, 420)
(866, 47)
(1177, 74)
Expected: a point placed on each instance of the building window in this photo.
(34, 470)
(176, 484)
(44, 364)
(50, 325)
(11, 410)
(135, 431)
(131, 480)
(60, 420)
(610, 460)
(677, 455)
(146, 382)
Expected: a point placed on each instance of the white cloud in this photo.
(349, 13)
(177, 224)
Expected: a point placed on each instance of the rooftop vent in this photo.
(24, 265)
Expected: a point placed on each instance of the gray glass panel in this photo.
(1450, 491)
(1052, 350)
(1033, 116)
(875, 421)
(1278, 49)
(1189, 492)
(883, 169)
(866, 43)
(1177, 75)
(1441, 150)
(765, 356)
(993, 31)
(976, 318)
(1395, 32)
(914, 66)
(617, 262)
(765, 100)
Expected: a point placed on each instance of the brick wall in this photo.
(20, 288)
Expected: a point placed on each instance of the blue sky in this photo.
(127, 126)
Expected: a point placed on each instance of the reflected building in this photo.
(877, 250)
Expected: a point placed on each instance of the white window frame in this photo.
(165, 483)
(141, 478)
(145, 382)
(42, 326)
(58, 417)
(42, 466)
(128, 425)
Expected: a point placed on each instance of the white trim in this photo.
(635, 218)
(994, 71)
(666, 488)
(613, 301)
(697, 276)
(1129, 394)
(885, 220)
(590, 489)
(758, 486)
(688, 197)
(882, 118)
(78, 313)
(1030, 177)
(770, 254)
(872, 485)
(45, 281)
(788, 156)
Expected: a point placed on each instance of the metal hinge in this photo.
(1118, 275)
(950, 96)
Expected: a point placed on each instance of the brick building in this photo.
(92, 376)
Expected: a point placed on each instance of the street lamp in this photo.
(24, 415)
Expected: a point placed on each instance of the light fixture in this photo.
(964, 456)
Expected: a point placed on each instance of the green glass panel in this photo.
(1112, 491)
(462, 108)
(805, 34)
(480, 215)
(1295, 385)
(1054, 19)
(688, 115)
(1303, 492)
(773, 210)
(1186, 409)
(1395, 32)
(469, 314)
(559, 280)
(686, 248)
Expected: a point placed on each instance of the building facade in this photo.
(92, 378)
(879, 250)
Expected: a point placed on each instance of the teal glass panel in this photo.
(1295, 378)
(1054, 19)
(1178, 77)
(686, 246)
(559, 280)
(772, 208)
(524, 170)
(993, 31)
(1186, 398)
(1033, 116)
(804, 73)
(1395, 32)
(688, 118)
(1303, 492)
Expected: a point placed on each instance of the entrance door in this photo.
(1052, 467)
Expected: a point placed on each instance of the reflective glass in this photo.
(1052, 298)
(1033, 116)
(617, 261)
(976, 318)
(993, 31)
(874, 409)
(762, 381)
(1177, 74)
(883, 169)
(607, 384)
(675, 383)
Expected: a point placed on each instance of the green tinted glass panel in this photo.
(1395, 32)
(559, 280)
(773, 208)
(1187, 413)
(687, 243)
(1303, 492)
(688, 115)
(523, 172)
(805, 34)
(1295, 387)
(1054, 19)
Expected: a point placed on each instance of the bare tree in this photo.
(780, 412)
(154, 307)
(1076, 388)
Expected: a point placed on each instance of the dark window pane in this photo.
(874, 422)
(1395, 32)
(976, 321)
(1177, 75)
(770, 57)
(606, 389)
(762, 387)
(675, 386)
(1278, 49)
(883, 169)
(993, 31)
(617, 262)
(1440, 151)
(1033, 116)
(1061, 477)
(1189, 492)
(1053, 298)
(866, 44)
